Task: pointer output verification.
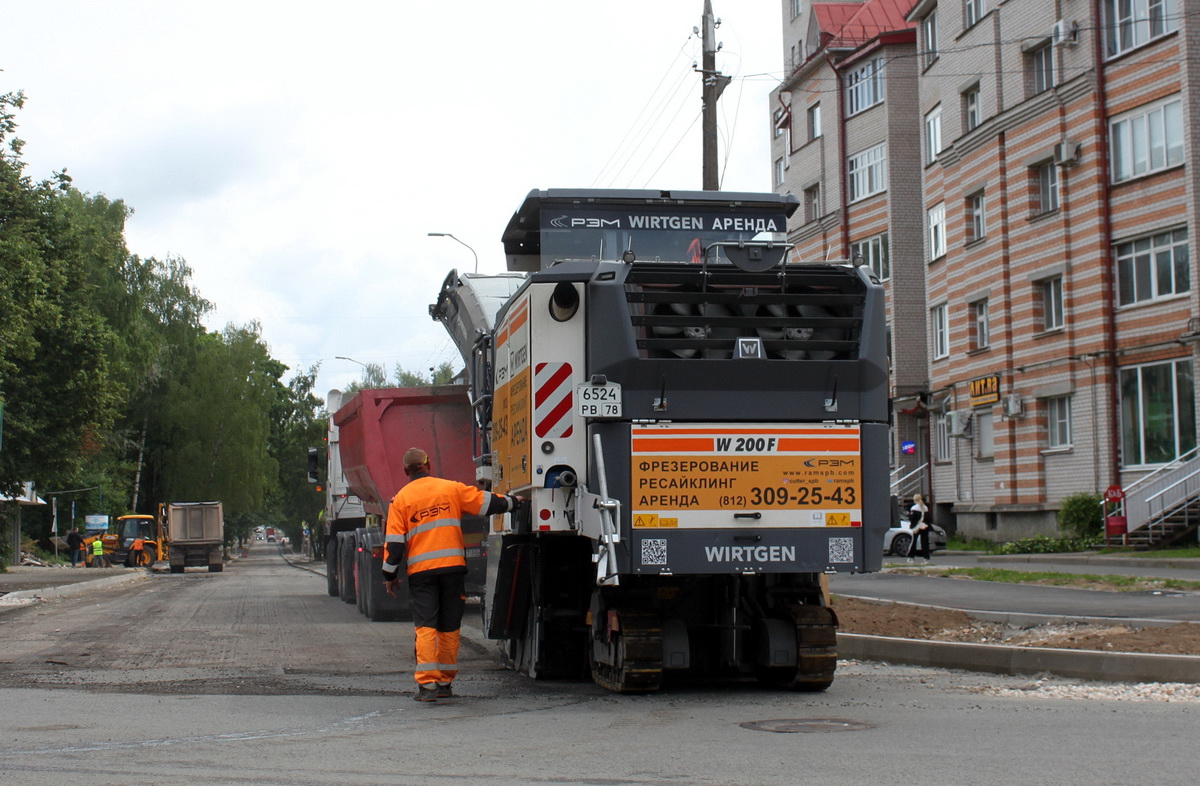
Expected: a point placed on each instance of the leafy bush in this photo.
(1081, 516)
(1041, 544)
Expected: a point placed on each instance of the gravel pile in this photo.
(1050, 688)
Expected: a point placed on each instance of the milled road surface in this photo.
(256, 675)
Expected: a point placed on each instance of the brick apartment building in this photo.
(1016, 173)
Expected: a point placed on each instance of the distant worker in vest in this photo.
(136, 551)
(424, 524)
(98, 560)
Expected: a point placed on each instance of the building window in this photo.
(940, 324)
(1051, 297)
(1147, 140)
(874, 252)
(1131, 23)
(814, 121)
(929, 35)
(937, 231)
(864, 86)
(1153, 267)
(972, 116)
(1047, 185)
(812, 203)
(942, 442)
(1158, 413)
(797, 7)
(976, 219)
(1041, 69)
(985, 443)
(868, 172)
(778, 171)
(972, 12)
(777, 122)
(1058, 422)
(980, 331)
(933, 135)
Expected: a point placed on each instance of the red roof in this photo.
(854, 24)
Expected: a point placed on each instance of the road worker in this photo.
(135, 552)
(424, 524)
(98, 560)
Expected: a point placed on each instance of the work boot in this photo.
(445, 691)
(426, 693)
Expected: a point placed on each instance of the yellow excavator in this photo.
(119, 540)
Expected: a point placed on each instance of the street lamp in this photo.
(452, 237)
(352, 360)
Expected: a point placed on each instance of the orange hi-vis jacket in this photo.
(427, 515)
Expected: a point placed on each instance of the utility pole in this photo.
(714, 84)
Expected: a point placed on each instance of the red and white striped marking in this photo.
(553, 398)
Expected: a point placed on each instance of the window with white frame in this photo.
(984, 432)
(972, 12)
(942, 443)
(1058, 422)
(1158, 413)
(1047, 187)
(1131, 23)
(1041, 69)
(864, 86)
(779, 171)
(937, 231)
(814, 121)
(929, 37)
(868, 172)
(939, 321)
(777, 122)
(797, 8)
(1147, 139)
(933, 135)
(1051, 299)
(976, 217)
(812, 203)
(874, 252)
(972, 112)
(1153, 267)
(980, 329)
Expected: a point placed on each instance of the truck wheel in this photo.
(331, 574)
(216, 567)
(346, 568)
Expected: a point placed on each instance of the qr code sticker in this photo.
(841, 550)
(654, 551)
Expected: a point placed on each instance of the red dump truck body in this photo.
(377, 426)
(373, 429)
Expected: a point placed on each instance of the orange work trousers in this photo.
(439, 601)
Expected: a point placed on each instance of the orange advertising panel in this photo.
(728, 475)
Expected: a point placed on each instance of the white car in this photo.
(898, 540)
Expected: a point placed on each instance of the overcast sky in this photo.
(297, 154)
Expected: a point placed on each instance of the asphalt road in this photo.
(256, 675)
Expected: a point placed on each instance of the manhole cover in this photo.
(806, 725)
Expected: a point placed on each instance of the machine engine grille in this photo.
(687, 311)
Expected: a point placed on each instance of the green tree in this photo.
(56, 369)
(216, 423)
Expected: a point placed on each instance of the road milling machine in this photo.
(699, 423)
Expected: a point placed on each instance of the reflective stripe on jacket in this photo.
(427, 515)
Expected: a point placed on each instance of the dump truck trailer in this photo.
(196, 535)
(369, 433)
(700, 424)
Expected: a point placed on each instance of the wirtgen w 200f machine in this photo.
(700, 425)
